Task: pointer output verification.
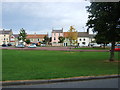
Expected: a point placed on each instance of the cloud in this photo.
(44, 0)
(41, 16)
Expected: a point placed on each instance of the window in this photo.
(4, 38)
(54, 34)
(80, 39)
(38, 39)
(59, 34)
(83, 42)
(4, 35)
(84, 39)
(54, 38)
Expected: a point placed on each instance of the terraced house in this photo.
(83, 38)
(5, 36)
(36, 38)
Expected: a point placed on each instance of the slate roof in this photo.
(57, 31)
(5, 31)
(83, 34)
(15, 35)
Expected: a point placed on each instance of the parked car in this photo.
(32, 46)
(96, 45)
(43, 45)
(20, 46)
(4, 45)
(9, 44)
(117, 47)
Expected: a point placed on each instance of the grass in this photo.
(88, 48)
(29, 65)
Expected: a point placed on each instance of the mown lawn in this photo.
(28, 65)
(90, 48)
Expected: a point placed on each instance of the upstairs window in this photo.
(54, 38)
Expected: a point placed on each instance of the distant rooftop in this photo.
(57, 31)
(15, 35)
(5, 31)
(36, 35)
(83, 34)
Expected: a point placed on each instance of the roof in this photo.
(5, 31)
(83, 34)
(57, 31)
(15, 35)
(36, 35)
(91, 35)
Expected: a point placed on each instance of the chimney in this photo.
(62, 29)
(88, 31)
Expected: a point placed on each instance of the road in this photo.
(100, 83)
(53, 49)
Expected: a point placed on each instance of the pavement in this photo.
(53, 49)
(29, 82)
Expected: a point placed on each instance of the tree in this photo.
(61, 39)
(27, 41)
(46, 39)
(72, 35)
(100, 39)
(104, 19)
(22, 35)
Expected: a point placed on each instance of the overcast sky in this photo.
(41, 17)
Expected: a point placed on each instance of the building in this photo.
(14, 39)
(5, 36)
(83, 38)
(55, 37)
(36, 38)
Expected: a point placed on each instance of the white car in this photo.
(32, 46)
(43, 45)
(96, 45)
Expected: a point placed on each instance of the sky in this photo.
(42, 17)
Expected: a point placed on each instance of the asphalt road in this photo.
(100, 83)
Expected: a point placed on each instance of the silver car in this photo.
(32, 46)
(20, 46)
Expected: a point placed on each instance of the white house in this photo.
(5, 36)
(84, 38)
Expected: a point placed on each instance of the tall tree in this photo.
(104, 18)
(22, 35)
(72, 35)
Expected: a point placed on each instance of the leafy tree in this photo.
(72, 35)
(46, 39)
(100, 39)
(27, 41)
(61, 39)
(22, 35)
(104, 19)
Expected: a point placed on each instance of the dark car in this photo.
(9, 44)
(4, 45)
